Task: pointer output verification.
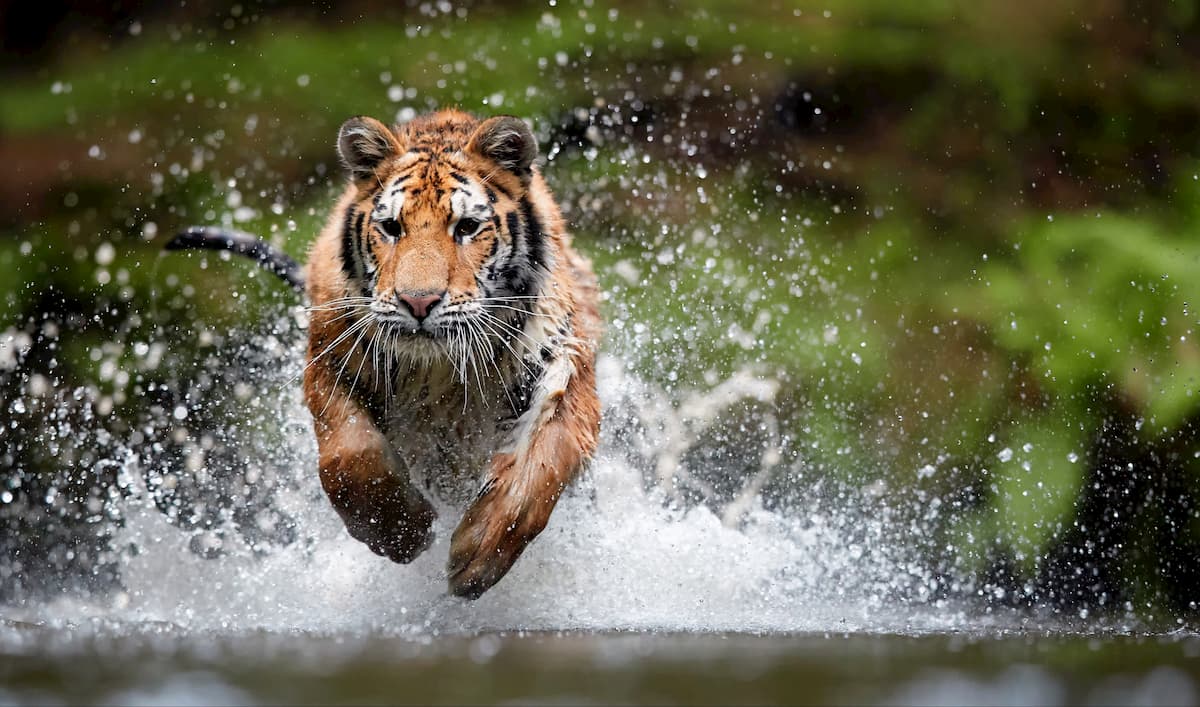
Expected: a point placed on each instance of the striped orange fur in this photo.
(452, 342)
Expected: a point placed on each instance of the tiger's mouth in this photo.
(404, 325)
(444, 327)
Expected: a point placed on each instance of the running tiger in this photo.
(452, 340)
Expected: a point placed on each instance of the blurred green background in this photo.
(964, 238)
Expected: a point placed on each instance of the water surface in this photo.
(98, 663)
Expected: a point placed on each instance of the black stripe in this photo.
(364, 246)
(459, 178)
(513, 222)
(491, 194)
(523, 272)
(535, 238)
(350, 264)
(407, 173)
(513, 274)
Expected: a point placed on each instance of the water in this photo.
(624, 551)
(163, 664)
(639, 590)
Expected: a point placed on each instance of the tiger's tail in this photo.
(267, 256)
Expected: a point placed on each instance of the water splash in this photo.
(645, 540)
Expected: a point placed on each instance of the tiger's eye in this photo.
(391, 228)
(465, 228)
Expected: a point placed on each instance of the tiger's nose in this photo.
(420, 304)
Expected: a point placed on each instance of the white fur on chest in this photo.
(446, 423)
(443, 433)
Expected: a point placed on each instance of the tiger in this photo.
(452, 339)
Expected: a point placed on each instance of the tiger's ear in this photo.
(364, 143)
(507, 141)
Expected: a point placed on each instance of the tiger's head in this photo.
(442, 232)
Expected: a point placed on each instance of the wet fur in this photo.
(489, 401)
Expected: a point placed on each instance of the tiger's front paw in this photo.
(492, 535)
(396, 523)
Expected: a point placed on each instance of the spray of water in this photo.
(640, 543)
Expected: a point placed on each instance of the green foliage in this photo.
(1095, 301)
